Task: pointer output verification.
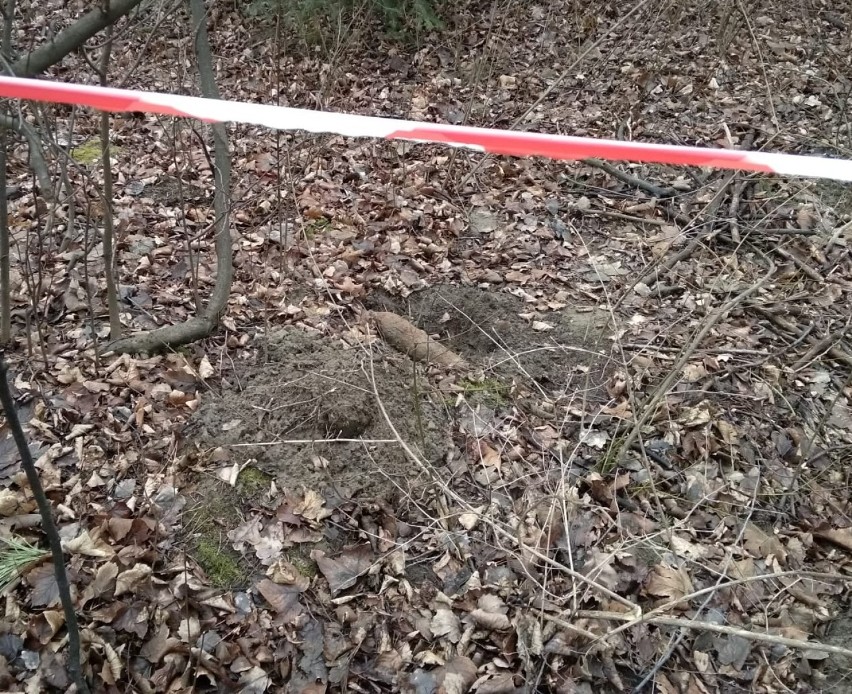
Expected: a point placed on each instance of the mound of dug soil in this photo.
(312, 390)
(497, 331)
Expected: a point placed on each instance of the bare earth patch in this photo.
(286, 412)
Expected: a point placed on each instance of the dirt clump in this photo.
(308, 416)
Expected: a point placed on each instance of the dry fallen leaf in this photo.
(88, 546)
(446, 623)
(132, 579)
(668, 582)
(346, 568)
(283, 599)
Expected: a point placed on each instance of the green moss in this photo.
(207, 523)
(252, 481)
(315, 227)
(221, 564)
(306, 566)
(491, 391)
(90, 151)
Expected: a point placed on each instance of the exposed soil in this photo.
(310, 389)
(497, 331)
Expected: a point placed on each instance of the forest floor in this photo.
(636, 481)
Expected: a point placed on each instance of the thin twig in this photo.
(708, 324)
(834, 352)
(49, 527)
(698, 625)
(751, 635)
(801, 264)
(591, 212)
(709, 232)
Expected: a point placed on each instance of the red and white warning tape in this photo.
(480, 139)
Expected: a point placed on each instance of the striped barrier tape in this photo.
(481, 139)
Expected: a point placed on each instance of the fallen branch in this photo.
(659, 611)
(592, 211)
(834, 352)
(651, 277)
(799, 263)
(751, 635)
(656, 616)
(631, 180)
(697, 625)
(820, 347)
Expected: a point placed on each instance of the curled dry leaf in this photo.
(132, 579)
(491, 613)
(46, 625)
(88, 546)
(205, 368)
